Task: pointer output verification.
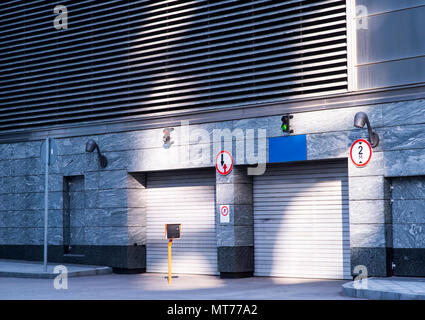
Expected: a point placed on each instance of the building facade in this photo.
(215, 75)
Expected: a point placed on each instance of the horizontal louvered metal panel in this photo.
(127, 59)
(301, 228)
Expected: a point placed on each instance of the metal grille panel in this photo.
(127, 59)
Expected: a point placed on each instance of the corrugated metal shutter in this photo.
(301, 226)
(186, 197)
(121, 59)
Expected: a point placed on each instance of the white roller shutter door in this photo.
(301, 226)
(186, 197)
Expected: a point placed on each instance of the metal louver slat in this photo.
(234, 73)
(188, 87)
(178, 31)
(335, 27)
(185, 61)
(125, 59)
(173, 13)
(247, 96)
(227, 27)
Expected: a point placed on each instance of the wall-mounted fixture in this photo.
(167, 137)
(359, 121)
(286, 126)
(90, 146)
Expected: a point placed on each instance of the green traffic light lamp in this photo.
(286, 127)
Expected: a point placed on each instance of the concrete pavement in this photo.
(26, 280)
(394, 288)
(185, 287)
(29, 269)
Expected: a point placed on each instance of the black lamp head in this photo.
(91, 145)
(360, 119)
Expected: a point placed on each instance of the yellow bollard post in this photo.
(170, 242)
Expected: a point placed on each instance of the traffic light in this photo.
(286, 127)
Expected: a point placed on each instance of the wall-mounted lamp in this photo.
(359, 121)
(90, 146)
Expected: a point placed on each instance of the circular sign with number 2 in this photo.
(361, 152)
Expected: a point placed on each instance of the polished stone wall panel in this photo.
(114, 207)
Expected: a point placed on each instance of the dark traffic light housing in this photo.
(286, 126)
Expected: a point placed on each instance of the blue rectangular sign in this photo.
(290, 148)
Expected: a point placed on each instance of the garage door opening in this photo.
(186, 197)
(301, 221)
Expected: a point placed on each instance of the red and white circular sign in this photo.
(224, 214)
(360, 152)
(224, 210)
(224, 162)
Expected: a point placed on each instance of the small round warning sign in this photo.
(224, 214)
(224, 210)
(360, 152)
(224, 162)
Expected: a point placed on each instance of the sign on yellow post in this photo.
(170, 242)
(172, 231)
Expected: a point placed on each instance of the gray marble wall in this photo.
(115, 205)
(408, 204)
(136, 211)
(235, 239)
(103, 217)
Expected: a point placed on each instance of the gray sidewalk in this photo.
(394, 288)
(28, 269)
(153, 286)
